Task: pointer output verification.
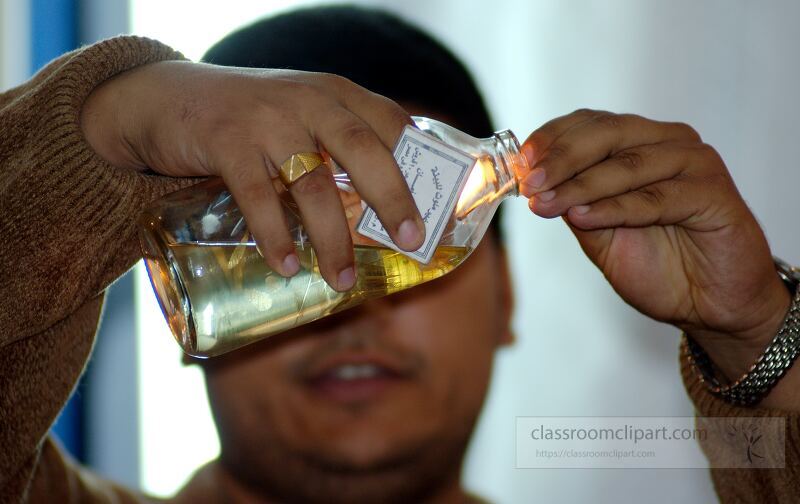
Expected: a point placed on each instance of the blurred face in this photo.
(375, 403)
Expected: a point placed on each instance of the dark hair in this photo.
(372, 48)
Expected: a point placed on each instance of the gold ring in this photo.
(298, 165)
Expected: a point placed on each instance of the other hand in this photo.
(657, 211)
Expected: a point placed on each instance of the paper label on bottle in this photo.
(435, 173)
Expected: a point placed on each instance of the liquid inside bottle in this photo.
(233, 298)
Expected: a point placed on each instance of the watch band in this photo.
(770, 367)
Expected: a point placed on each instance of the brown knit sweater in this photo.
(67, 230)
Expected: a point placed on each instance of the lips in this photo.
(355, 377)
(351, 372)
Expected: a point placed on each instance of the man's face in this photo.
(396, 381)
(379, 398)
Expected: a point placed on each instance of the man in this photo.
(83, 145)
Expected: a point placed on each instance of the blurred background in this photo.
(727, 67)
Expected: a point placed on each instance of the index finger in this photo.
(538, 141)
(374, 172)
(382, 114)
(594, 140)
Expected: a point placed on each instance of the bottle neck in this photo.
(510, 163)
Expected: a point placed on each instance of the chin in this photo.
(372, 436)
(362, 452)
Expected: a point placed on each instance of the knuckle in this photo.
(630, 160)
(357, 137)
(579, 183)
(240, 178)
(250, 189)
(337, 81)
(298, 87)
(709, 153)
(720, 183)
(558, 150)
(609, 120)
(344, 90)
(688, 131)
(295, 82)
(652, 196)
(613, 205)
(392, 116)
(396, 114)
(585, 112)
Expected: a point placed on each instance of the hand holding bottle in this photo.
(657, 211)
(186, 119)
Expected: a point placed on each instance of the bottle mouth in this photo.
(512, 160)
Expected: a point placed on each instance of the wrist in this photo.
(733, 353)
(108, 119)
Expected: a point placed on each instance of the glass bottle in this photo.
(217, 292)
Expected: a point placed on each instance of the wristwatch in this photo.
(789, 274)
(770, 367)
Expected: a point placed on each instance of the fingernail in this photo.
(291, 264)
(546, 196)
(533, 181)
(346, 279)
(527, 151)
(409, 234)
(580, 209)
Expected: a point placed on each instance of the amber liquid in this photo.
(222, 296)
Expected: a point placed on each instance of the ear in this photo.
(505, 335)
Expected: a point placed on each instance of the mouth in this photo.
(355, 378)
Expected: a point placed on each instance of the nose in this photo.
(372, 313)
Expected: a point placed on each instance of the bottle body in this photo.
(218, 294)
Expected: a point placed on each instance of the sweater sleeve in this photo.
(747, 485)
(68, 217)
(67, 230)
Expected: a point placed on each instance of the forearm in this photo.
(68, 216)
(67, 230)
(749, 484)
